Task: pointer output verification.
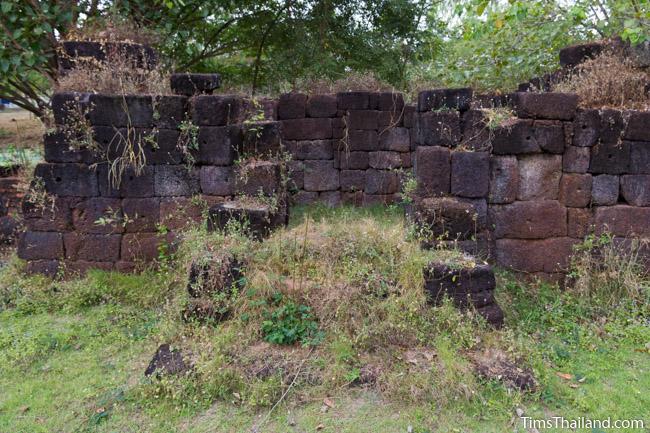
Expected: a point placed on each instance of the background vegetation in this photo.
(279, 45)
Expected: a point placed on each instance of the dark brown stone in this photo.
(307, 129)
(217, 180)
(622, 220)
(470, 172)
(141, 214)
(576, 159)
(549, 135)
(586, 128)
(450, 218)
(385, 160)
(263, 139)
(637, 126)
(218, 145)
(40, 246)
(321, 106)
(258, 177)
(353, 160)
(386, 101)
(176, 180)
(98, 215)
(76, 180)
(169, 111)
(539, 177)
(395, 139)
(362, 119)
(313, 149)
(190, 84)
(529, 220)
(166, 361)
(140, 247)
(560, 106)
(450, 99)
(121, 110)
(539, 255)
(353, 180)
(433, 171)
(361, 140)
(610, 158)
(220, 272)
(177, 213)
(438, 128)
(515, 136)
(321, 176)
(579, 222)
(636, 189)
(381, 182)
(604, 190)
(131, 184)
(640, 157)
(504, 179)
(353, 100)
(216, 110)
(56, 215)
(255, 220)
(329, 198)
(576, 54)
(92, 247)
(575, 190)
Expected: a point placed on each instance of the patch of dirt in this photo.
(20, 128)
(264, 360)
(495, 365)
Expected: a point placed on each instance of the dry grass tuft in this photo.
(113, 30)
(354, 81)
(609, 80)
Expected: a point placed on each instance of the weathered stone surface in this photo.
(353, 100)
(353, 160)
(395, 139)
(40, 246)
(81, 267)
(92, 247)
(362, 119)
(612, 127)
(48, 268)
(579, 222)
(386, 101)
(636, 189)
(165, 150)
(476, 134)
(539, 177)
(381, 182)
(57, 148)
(561, 106)
(262, 138)
(515, 136)
(576, 54)
(177, 213)
(140, 247)
(378, 199)
(98, 215)
(169, 111)
(575, 190)
(9, 228)
(166, 361)
(529, 220)
(296, 175)
(586, 128)
(218, 145)
(470, 172)
(75, 180)
(256, 220)
(121, 110)
(67, 106)
(258, 177)
(131, 184)
(321, 176)
(176, 180)
(304, 197)
(292, 106)
(451, 218)
(440, 279)
(576, 159)
(204, 311)
(610, 158)
(190, 84)
(438, 128)
(622, 220)
(361, 140)
(604, 190)
(385, 160)
(353, 180)
(53, 216)
(637, 126)
(322, 106)
(220, 272)
(452, 99)
(504, 179)
(307, 129)
(640, 157)
(539, 255)
(433, 171)
(215, 110)
(352, 198)
(217, 180)
(549, 135)
(141, 214)
(313, 149)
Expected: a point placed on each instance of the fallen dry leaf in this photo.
(328, 402)
(565, 376)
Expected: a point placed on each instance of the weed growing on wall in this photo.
(188, 141)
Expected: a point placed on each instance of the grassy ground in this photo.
(72, 354)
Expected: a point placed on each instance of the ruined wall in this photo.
(522, 191)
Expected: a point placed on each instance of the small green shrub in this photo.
(289, 323)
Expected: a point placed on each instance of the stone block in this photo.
(216, 110)
(304, 197)
(49, 268)
(529, 219)
(622, 220)
(313, 149)
(322, 106)
(381, 182)
(262, 139)
(81, 267)
(131, 184)
(395, 139)
(604, 190)
(67, 107)
(218, 145)
(220, 272)
(433, 171)
(515, 136)
(362, 140)
(53, 216)
(121, 110)
(258, 177)
(141, 214)
(353, 160)
(353, 180)
(353, 100)
(438, 128)
(292, 106)
(258, 220)
(575, 190)
(470, 174)
(451, 99)
(321, 176)
(539, 177)
(384, 160)
(450, 217)
(169, 111)
(586, 128)
(504, 179)
(576, 159)
(475, 132)
(352, 198)
(98, 215)
(140, 247)
(640, 157)
(58, 148)
(296, 175)
(176, 180)
(68, 179)
(579, 222)
(560, 106)
(329, 198)
(40, 246)
(307, 129)
(610, 158)
(386, 101)
(379, 199)
(637, 126)
(177, 213)
(612, 127)
(576, 54)
(362, 119)
(538, 255)
(163, 148)
(92, 247)
(190, 84)
(409, 116)
(549, 135)
(635, 189)
(217, 180)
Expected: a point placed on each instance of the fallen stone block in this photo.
(167, 361)
(495, 365)
(256, 220)
(190, 84)
(220, 272)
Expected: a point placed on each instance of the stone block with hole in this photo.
(76, 180)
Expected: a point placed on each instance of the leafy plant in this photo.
(289, 323)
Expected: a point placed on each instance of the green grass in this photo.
(72, 354)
